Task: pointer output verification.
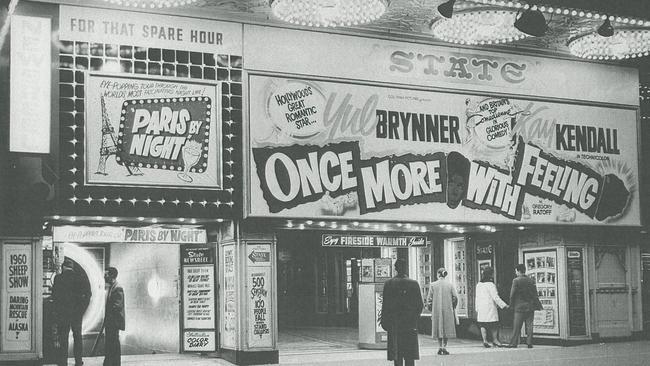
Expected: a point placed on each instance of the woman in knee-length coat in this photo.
(443, 299)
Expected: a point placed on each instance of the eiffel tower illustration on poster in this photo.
(109, 146)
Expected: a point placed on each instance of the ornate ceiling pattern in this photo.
(413, 17)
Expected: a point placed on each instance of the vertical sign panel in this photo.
(541, 266)
(484, 257)
(17, 302)
(576, 293)
(259, 296)
(229, 328)
(30, 85)
(460, 277)
(199, 318)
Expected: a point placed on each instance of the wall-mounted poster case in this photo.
(541, 266)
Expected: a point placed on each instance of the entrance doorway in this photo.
(645, 288)
(149, 275)
(612, 294)
(317, 286)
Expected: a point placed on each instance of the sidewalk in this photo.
(462, 353)
(342, 357)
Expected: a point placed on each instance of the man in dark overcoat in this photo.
(113, 318)
(71, 295)
(524, 301)
(400, 311)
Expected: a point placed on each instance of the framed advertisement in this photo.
(456, 265)
(541, 266)
(229, 326)
(199, 298)
(17, 305)
(145, 131)
(576, 291)
(484, 258)
(468, 158)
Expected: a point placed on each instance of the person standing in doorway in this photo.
(71, 295)
(443, 299)
(524, 302)
(400, 310)
(113, 318)
(487, 300)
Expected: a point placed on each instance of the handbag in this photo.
(537, 305)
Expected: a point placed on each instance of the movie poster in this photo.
(230, 314)
(260, 316)
(152, 132)
(16, 300)
(326, 149)
(541, 266)
(459, 278)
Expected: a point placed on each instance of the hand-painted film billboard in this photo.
(324, 149)
(152, 132)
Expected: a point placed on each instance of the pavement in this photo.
(463, 352)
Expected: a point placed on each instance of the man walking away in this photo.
(71, 295)
(524, 302)
(113, 318)
(400, 311)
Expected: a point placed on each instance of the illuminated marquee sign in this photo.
(377, 153)
(342, 240)
(111, 234)
(152, 132)
(169, 133)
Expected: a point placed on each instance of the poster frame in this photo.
(216, 107)
(181, 319)
(268, 269)
(559, 279)
(36, 345)
(223, 299)
(461, 90)
(450, 246)
(585, 290)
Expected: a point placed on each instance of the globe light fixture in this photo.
(624, 44)
(478, 27)
(328, 13)
(151, 4)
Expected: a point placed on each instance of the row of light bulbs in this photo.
(356, 225)
(152, 4)
(152, 220)
(502, 25)
(481, 27)
(565, 11)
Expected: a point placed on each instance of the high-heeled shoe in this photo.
(486, 345)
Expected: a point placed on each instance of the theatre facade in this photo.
(252, 179)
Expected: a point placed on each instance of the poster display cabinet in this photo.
(374, 272)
